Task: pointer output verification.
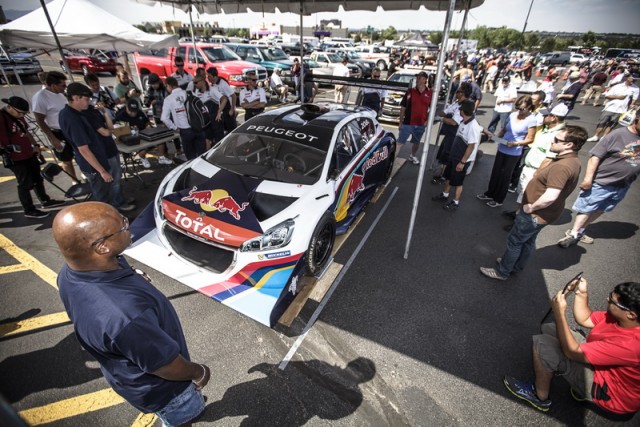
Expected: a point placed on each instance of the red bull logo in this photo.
(356, 185)
(211, 200)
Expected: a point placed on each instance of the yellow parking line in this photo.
(71, 407)
(22, 326)
(12, 268)
(144, 420)
(28, 261)
(6, 178)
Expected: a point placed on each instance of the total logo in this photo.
(212, 200)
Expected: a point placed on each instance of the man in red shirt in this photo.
(20, 154)
(414, 111)
(605, 369)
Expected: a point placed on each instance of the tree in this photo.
(548, 45)
(435, 37)
(531, 41)
(589, 38)
(389, 34)
(357, 38)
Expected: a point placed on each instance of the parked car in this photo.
(556, 58)
(332, 60)
(294, 48)
(379, 54)
(391, 109)
(366, 66)
(85, 62)
(262, 208)
(23, 64)
(229, 65)
(269, 57)
(577, 58)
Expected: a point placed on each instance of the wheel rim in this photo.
(323, 245)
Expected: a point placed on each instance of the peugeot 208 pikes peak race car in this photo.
(244, 221)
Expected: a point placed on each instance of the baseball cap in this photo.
(559, 110)
(574, 75)
(79, 89)
(17, 103)
(132, 104)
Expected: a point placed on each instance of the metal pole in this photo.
(302, 100)
(55, 36)
(432, 115)
(455, 58)
(527, 18)
(193, 38)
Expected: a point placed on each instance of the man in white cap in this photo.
(618, 99)
(571, 90)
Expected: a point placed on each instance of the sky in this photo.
(600, 16)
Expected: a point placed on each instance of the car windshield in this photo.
(269, 158)
(402, 78)
(273, 53)
(219, 54)
(353, 54)
(334, 57)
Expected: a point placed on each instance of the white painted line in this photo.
(316, 314)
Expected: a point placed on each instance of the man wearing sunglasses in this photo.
(122, 320)
(182, 76)
(604, 368)
(20, 154)
(252, 98)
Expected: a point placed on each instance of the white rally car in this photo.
(243, 222)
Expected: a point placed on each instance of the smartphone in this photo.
(566, 287)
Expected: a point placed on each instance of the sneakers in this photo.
(181, 157)
(145, 163)
(164, 161)
(438, 180)
(526, 391)
(440, 198)
(492, 273)
(451, 206)
(52, 203)
(413, 159)
(568, 239)
(126, 207)
(36, 214)
(493, 204)
(593, 139)
(512, 189)
(483, 196)
(576, 396)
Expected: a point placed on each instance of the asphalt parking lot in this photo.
(423, 341)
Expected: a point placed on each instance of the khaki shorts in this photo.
(578, 375)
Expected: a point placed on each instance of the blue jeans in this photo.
(497, 117)
(521, 243)
(183, 408)
(108, 192)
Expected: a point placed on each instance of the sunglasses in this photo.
(559, 141)
(617, 304)
(125, 227)
(253, 80)
(179, 65)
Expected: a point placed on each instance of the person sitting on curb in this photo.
(604, 368)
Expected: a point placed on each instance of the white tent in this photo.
(79, 24)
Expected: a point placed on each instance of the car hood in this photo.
(227, 208)
(284, 64)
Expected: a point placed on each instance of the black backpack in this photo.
(197, 113)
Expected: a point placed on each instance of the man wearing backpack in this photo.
(174, 116)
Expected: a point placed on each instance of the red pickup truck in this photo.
(229, 65)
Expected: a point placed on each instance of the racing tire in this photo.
(382, 65)
(389, 171)
(321, 245)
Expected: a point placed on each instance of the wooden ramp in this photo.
(314, 289)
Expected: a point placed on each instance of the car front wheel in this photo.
(321, 245)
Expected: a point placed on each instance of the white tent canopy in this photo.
(308, 6)
(80, 24)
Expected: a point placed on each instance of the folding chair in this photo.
(78, 192)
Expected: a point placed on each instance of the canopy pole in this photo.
(302, 100)
(457, 55)
(432, 115)
(193, 38)
(4, 74)
(55, 36)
